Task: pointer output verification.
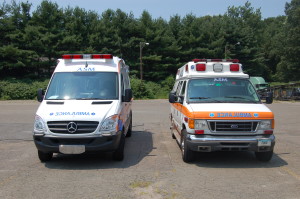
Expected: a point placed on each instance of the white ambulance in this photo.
(86, 108)
(214, 107)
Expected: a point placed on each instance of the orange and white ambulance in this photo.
(214, 107)
(87, 107)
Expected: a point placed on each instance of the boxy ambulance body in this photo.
(214, 107)
(87, 107)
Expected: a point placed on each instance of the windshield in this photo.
(83, 85)
(223, 90)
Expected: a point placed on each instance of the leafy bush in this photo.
(26, 89)
(20, 89)
(151, 90)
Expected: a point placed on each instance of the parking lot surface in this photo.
(152, 167)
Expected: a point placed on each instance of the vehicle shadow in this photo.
(222, 159)
(138, 146)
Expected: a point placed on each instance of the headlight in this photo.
(39, 125)
(109, 126)
(197, 124)
(201, 124)
(265, 125)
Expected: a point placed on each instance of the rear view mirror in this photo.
(40, 95)
(172, 97)
(269, 98)
(128, 95)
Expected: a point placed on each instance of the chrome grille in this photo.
(233, 126)
(81, 127)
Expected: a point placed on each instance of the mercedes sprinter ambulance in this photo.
(86, 107)
(214, 107)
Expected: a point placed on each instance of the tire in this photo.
(173, 136)
(118, 154)
(129, 131)
(187, 154)
(264, 156)
(44, 157)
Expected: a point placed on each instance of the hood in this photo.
(76, 110)
(230, 111)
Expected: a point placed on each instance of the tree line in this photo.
(32, 41)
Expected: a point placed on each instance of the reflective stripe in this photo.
(245, 115)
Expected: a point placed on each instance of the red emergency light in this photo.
(86, 56)
(200, 67)
(216, 60)
(234, 67)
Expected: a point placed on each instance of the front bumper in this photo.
(208, 143)
(91, 144)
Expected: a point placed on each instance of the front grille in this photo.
(78, 127)
(233, 126)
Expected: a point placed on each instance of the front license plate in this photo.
(264, 142)
(71, 149)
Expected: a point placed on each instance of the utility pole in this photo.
(142, 45)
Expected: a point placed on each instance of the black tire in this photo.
(118, 154)
(173, 136)
(45, 157)
(264, 156)
(269, 100)
(187, 154)
(129, 131)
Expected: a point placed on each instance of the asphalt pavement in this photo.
(152, 167)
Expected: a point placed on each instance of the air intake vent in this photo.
(233, 126)
(72, 127)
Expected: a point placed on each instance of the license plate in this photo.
(264, 142)
(71, 149)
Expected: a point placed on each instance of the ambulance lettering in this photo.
(234, 115)
(72, 114)
(86, 69)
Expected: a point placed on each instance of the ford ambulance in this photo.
(86, 108)
(214, 107)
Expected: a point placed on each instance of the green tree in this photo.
(244, 25)
(288, 69)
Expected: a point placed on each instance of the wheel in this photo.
(264, 156)
(187, 154)
(44, 157)
(172, 127)
(119, 153)
(269, 100)
(173, 136)
(129, 131)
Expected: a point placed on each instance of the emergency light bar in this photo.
(216, 60)
(87, 56)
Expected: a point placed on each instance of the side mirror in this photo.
(40, 95)
(172, 97)
(128, 95)
(269, 98)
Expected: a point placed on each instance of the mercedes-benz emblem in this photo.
(234, 126)
(72, 127)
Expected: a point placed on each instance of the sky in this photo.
(169, 8)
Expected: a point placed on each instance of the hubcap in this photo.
(182, 147)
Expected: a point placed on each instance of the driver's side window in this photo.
(180, 91)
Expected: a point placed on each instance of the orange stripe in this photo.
(215, 115)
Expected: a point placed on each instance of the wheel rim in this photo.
(182, 147)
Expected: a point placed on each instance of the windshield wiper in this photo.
(200, 97)
(206, 101)
(237, 97)
(95, 98)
